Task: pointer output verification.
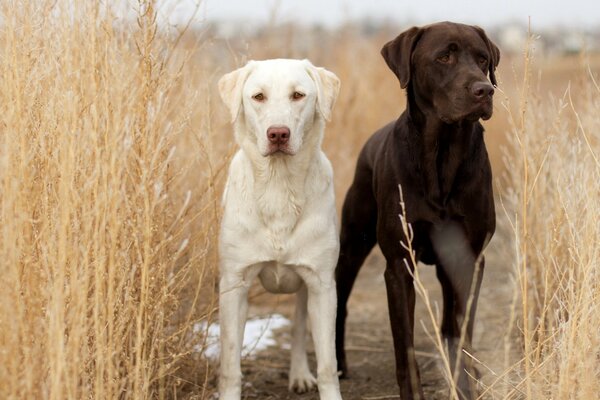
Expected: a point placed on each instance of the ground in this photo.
(369, 340)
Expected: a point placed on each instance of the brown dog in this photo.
(435, 151)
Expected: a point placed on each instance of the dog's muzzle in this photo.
(482, 93)
(278, 137)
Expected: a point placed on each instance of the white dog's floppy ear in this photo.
(328, 87)
(230, 88)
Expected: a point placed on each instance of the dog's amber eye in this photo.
(444, 59)
(482, 61)
(297, 95)
(259, 97)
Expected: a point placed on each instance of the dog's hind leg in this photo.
(233, 307)
(301, 380)
(359, 216)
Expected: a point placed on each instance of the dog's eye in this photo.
(482, 61)
(297, 95)
(445, 59)
(259, 97)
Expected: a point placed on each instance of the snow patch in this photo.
(258, 335)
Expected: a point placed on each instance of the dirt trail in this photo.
(370, 348)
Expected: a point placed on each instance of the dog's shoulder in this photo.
(239, 178)
(320, 174)
(372, 151)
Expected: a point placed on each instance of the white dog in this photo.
(279, 220)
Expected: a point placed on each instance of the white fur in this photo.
(279, 220)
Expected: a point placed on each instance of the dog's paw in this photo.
(302, 381)
(228, 395)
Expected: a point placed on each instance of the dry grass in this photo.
(552, 202)
(106, 243)
(113, 150)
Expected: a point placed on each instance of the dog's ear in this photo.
(230, 88)
(398, 54)
(494, 54)
(328, 87)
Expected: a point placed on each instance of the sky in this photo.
(566, 13)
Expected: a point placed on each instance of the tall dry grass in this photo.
(552, 203)
(106, 245)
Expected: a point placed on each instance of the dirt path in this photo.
(370, 349)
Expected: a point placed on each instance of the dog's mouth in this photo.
(483, 109)
(478, 110)
(275, 150)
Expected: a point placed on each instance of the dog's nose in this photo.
(278, 134)
(481, 90)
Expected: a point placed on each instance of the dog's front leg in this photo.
(458, 270)
(233, 309)
(301, 380)
(321, 311)
(401, 307)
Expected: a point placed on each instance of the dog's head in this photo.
(446, 65)
(279, 101)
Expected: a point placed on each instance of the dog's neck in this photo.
(442, 147)
(280, 180)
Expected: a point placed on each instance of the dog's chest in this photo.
(279, 203)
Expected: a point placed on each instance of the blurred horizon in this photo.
(331, 14)
(560, 29)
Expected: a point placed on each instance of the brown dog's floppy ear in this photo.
(398, 53)
(494, 54)
(230, 88)
(328, 87)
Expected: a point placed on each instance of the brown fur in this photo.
(436, 152)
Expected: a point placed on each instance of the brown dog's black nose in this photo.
(481, 90)
(278, 134)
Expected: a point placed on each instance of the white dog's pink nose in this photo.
(278, 134)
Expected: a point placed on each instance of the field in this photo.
(113, 150)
